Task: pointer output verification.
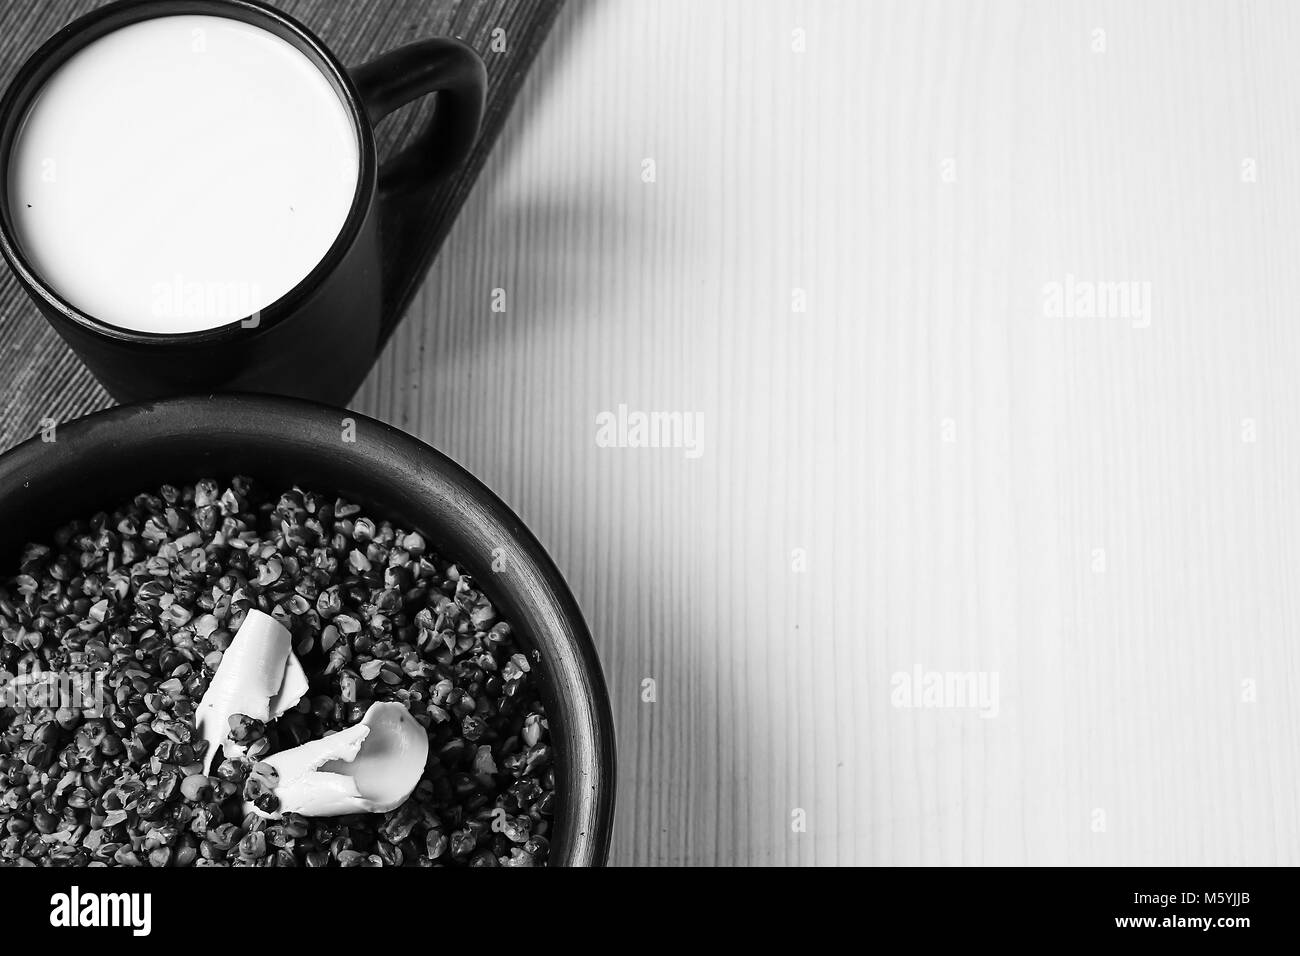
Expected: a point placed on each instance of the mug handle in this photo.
(455, 74)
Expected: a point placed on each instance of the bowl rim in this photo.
(587, 758)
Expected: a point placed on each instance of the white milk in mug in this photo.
(160, 186)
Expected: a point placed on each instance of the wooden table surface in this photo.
(986, 312)
(1100, 510)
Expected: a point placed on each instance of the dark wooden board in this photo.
(40, 378)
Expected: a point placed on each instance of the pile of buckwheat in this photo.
(112, 632)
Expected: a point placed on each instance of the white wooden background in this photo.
(1106, 516)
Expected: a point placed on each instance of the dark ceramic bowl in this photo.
(101, 460)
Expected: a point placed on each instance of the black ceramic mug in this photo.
(319, 339)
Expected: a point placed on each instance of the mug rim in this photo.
(80, 33)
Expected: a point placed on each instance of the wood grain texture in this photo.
(1104, 515)
(40, 378)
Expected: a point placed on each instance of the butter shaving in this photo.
(259, 675)
(371, 767)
